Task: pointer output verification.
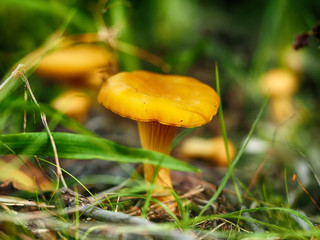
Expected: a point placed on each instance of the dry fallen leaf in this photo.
(23, 176)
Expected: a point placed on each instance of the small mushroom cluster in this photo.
(160, 104)
(80, 67)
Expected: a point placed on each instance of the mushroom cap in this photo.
(279, 82)
(74, 104)
(75, 62)
(168, 99)
(212, 150)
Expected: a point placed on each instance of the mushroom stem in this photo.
(282, 108)
(157, 137)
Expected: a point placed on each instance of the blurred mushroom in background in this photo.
(75, 104)
(281, 84)
(80, 65)
(211, 150)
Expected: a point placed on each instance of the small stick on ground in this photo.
(118, 217)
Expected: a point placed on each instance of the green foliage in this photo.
(77, 146)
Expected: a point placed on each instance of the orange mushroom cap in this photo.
(75, 104)
(168, 99)
(76, 63)
(279, 82)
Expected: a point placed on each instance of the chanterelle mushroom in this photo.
(160, 104)
(212, 150)
(75, 104)
(78, 65)
(83, 65)
(281, 84)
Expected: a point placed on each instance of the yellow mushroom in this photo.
(77, 63)
(212, 150)
(80, 65)
(281, 84)
(75, 104)
(160, 104)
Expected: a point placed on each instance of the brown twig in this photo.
(295, 178)
(256, 174)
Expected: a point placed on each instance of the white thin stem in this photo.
(25, 111)
(15, 73)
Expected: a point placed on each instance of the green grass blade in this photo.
(286, 187)
(14, 105)
(27, 65)
(220, 112)
(280, 209)
(224, 131)
(235, 161)
(178, 139)
(239, 215)
(78, 146)
(52, 8)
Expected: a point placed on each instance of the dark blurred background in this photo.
(244, 37)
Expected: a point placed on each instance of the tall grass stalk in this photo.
(235, 161)
(77, 214)
(224, 132)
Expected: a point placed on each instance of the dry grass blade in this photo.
(295, 178)
(20, 72)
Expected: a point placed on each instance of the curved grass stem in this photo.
(20, 73)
